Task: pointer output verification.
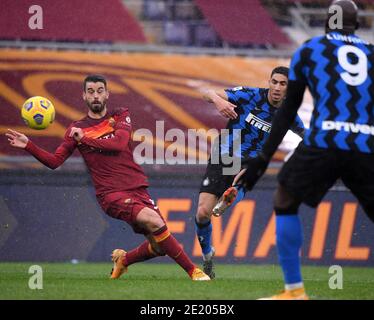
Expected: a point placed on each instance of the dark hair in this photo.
(94, 78)
(280, 70)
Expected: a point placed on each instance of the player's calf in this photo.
(150, 220)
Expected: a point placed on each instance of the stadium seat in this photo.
(69, 20)
(239, 24)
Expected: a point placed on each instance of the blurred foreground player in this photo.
(104, 140)
(250, 112)
(338, 69)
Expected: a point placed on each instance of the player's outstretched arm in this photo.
(220, 100)
(52, 161)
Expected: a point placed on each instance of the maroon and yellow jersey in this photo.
(106, 149)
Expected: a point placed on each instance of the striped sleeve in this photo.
(239, 95)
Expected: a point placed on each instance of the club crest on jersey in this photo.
(258, 123)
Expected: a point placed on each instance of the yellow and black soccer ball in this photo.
(38, 112)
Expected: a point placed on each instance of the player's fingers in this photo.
(224, 113)
(16, 133)
(233, 114)
(10, 136)
(72, 132)
(229, 115)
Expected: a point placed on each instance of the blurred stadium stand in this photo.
(69, 20)
(240, 24)
(213, 27)
(210, 30)
(304, 19)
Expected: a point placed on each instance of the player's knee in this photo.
(151, 220)
(203, 214)
(285, 203)
(156, 223)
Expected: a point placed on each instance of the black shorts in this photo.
(311, 172)
(214, 181)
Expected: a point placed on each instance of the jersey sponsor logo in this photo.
(107, 136)
(258, 123)
(348, 127)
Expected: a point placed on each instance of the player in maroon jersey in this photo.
(104, 140)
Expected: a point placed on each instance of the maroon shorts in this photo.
(127, 204)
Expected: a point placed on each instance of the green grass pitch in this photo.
(168, 281)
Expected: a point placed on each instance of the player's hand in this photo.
(226, 109)
(17, 139)
(255, 168)
(76, 133)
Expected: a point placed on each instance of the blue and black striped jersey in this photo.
(338, 69)
(255, 115)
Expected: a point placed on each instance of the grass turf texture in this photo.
(168, 281)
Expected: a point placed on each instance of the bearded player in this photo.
(104, 140)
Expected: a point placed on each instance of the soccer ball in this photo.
(38, 112)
